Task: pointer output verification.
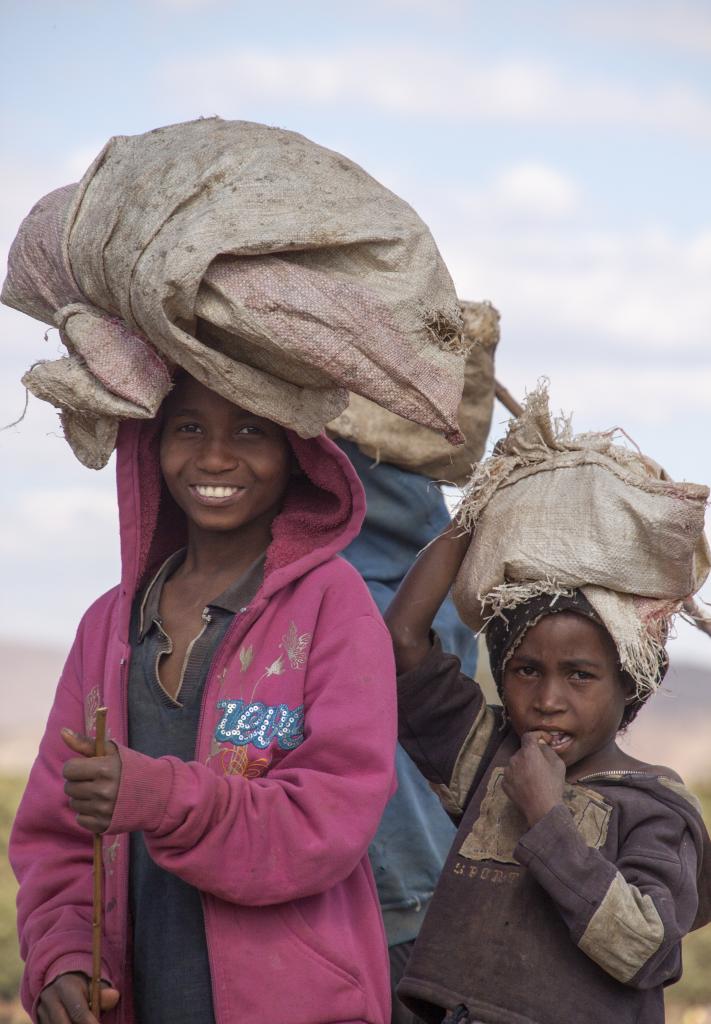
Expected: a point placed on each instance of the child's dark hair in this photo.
(506, 630)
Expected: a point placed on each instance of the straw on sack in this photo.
(552, 512)
(386, 437)
(277, 272)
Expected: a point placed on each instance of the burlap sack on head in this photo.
(551, 512)
(275, 271)
(110, 372)
(389, 438)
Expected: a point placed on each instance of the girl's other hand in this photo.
(411, 613)
(534, 777)
(66, 1000)
(92, 782)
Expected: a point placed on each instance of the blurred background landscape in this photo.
(560, 150)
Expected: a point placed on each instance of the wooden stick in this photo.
(700, 619)
(99, 751)
(507, 399)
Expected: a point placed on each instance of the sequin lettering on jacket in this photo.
(260, 724)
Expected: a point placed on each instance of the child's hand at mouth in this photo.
(534, 777)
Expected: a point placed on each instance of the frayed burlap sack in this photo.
(386, 437)
(111, 372)
(275, 271)
(552, 512)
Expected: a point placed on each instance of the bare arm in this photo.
(410, 615)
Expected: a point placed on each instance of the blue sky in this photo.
(560, 152)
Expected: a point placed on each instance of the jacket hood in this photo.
(322, 511)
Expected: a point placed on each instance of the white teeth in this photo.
(215, 492)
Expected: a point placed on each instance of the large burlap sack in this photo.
(387, 437)
(277, 272)
(552, 512)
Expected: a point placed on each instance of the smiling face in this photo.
(225, 467)
(563, 679)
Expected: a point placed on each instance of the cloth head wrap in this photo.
(506, 631)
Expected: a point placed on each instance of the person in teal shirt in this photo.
(405, 511)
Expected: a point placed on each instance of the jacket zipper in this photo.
(122, 876)
(612, 771)
(237, 629)
(206, 619)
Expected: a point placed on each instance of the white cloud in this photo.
(59, 544)
(77, 516)
(533, 191)
(79, 160)
(677, 26)
(20, 188)
(436, 8)
(22, 184)
(187, 5)
(419, 82)
(641, 293)
(606, 394)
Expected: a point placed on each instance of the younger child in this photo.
(249, 681)
(576, 869)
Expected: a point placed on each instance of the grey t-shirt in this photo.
(171, 970)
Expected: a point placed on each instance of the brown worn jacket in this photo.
(578, 919)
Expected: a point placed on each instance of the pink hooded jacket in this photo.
(294, 764)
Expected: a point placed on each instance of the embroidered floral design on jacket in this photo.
(295, 645)
(234, 761)
(91, 706)
(110, 853)
(275, 669)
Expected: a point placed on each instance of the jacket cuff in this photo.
(419, 678)
(144, 789)
(70, 963)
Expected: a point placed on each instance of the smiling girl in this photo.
(250, 686)
(576, 869)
